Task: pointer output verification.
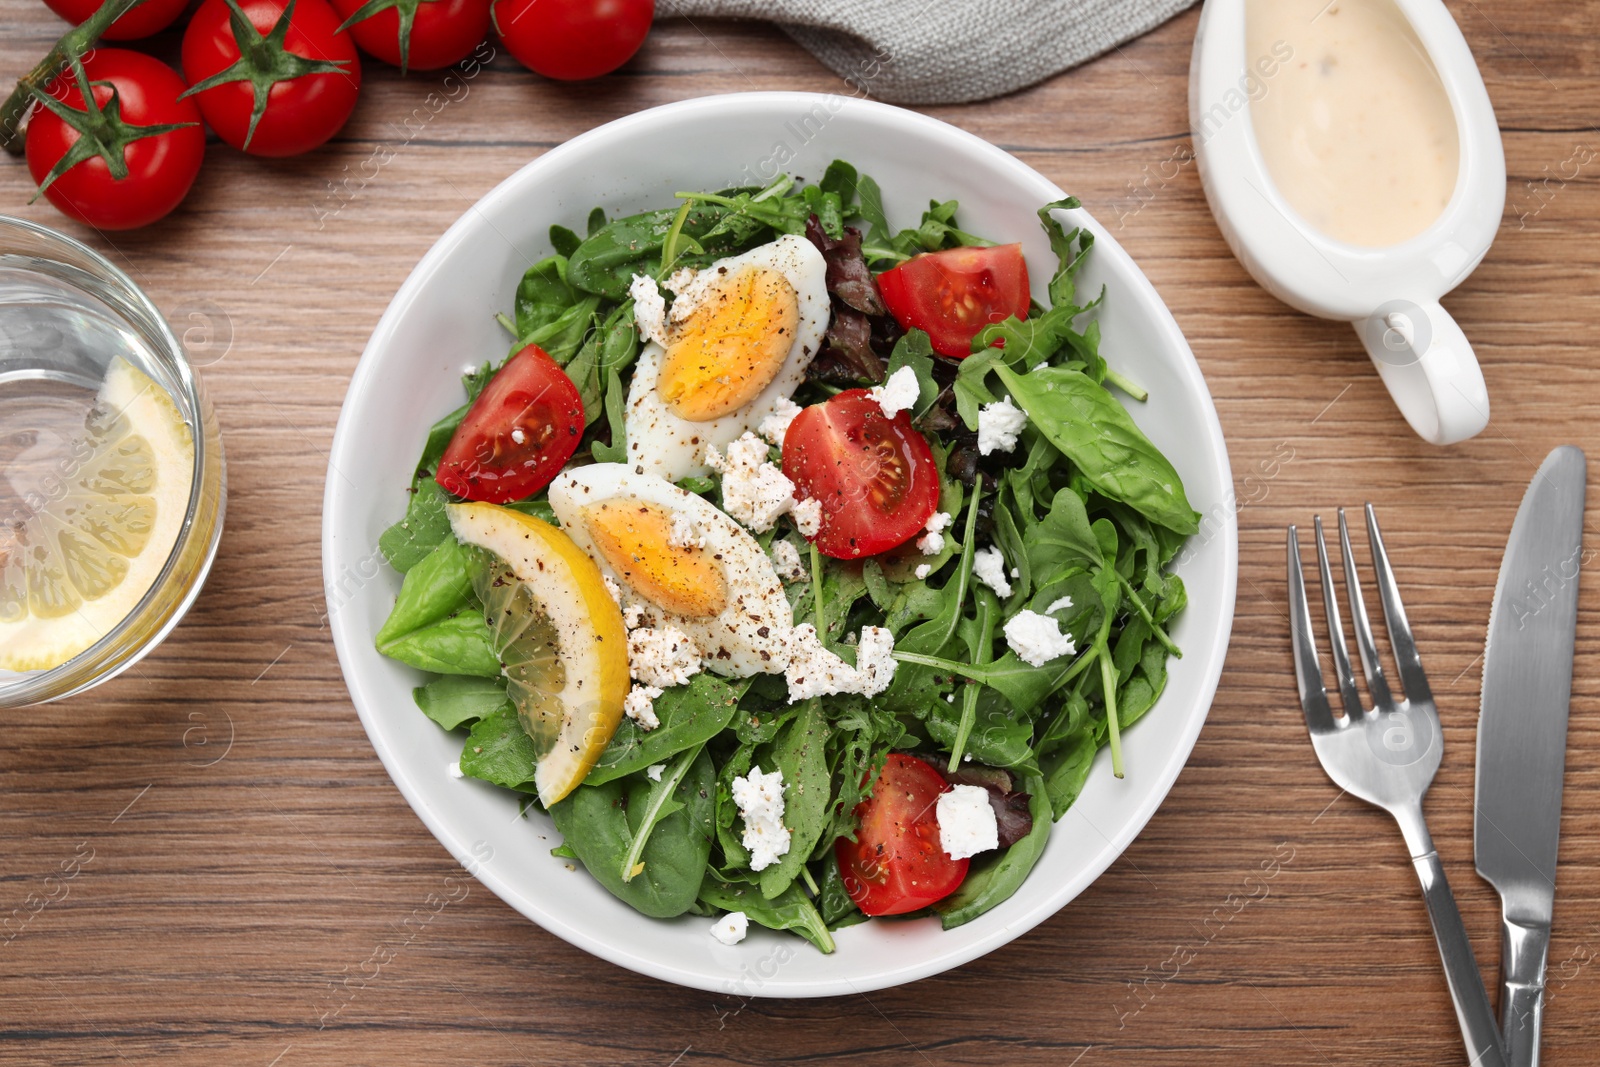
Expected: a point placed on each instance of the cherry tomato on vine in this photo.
(518, 433)
(875, 476)
(897, 863)
(279, 81)
(571, 40)
(957, 292)
(122, 165)
(416, 34)
(152, 16)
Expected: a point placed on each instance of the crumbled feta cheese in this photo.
(639, 705)
(924, 569)
(1016, 572)
(998, 426)
(731, 928)
(875, 659)
(786, 561)
(776, 425)
(932, 542)
(649, 308)
(635, 616)
(899, 393)
(1037, 639)
(807, 515)
(454, 770)
(685, 532)
(653, 772)
(680, 281)
(760, 801)
(754, 492)
(612, 588)
(813, 671)
(662, 656)
(967, 825)
(989, 567)
(1058, 605)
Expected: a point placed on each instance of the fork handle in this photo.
(1467, 992)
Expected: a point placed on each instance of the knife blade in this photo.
(1522, 734)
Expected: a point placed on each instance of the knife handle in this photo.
(1523, 954)
(1474, 1013)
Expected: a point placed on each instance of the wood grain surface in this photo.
(243, 858)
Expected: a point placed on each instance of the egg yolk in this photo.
(731, 346)
(635, 539)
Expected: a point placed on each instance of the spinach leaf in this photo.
(458, 700)
(1098, 435)
(459, 644)
(436, 588)
(598, 822)
(659, 802)
(789, 910)
(499, 750)
(543, 295)
(690, 715)
(564, 241)
(834, 899)
(994, 879)
(408, 542)
(800, 752)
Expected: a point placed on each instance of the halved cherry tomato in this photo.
(875, 475)
(517, 435)
(896, 863)
(955, 293)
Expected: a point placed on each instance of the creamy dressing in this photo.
(1356, 129)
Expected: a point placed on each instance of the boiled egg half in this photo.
(740, 335)
(680, 558)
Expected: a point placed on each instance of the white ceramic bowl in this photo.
(443, 319)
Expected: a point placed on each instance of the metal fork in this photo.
(1387, 755)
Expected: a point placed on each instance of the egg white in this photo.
(673, 447)
(750, 635)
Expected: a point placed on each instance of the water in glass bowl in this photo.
(96, 465)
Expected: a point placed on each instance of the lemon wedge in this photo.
(558, 634)
(92, 538)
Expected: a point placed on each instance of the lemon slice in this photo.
(92, 538)
(558, 634)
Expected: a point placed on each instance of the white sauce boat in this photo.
(1390, 293)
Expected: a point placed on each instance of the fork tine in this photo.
(1371, 665)
(1406, 659)
(1341, 654)
(1307, 671)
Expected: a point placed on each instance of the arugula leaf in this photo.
(1098, 435)
(915, 350)
(1062, 544)
(659, 802)
(456, 700)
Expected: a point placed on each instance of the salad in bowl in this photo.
(796, 565)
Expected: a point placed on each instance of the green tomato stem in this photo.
(75, 42)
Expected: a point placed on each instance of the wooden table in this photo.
(251, 859)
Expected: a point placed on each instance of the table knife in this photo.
(1522, 734)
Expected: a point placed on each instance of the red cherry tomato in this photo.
(443, 32)
(152, 16)
(302, 111)
(955, 293)
(571, 40)
(161, 168)
(896, 863)
(875, 476)
(517, 435)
